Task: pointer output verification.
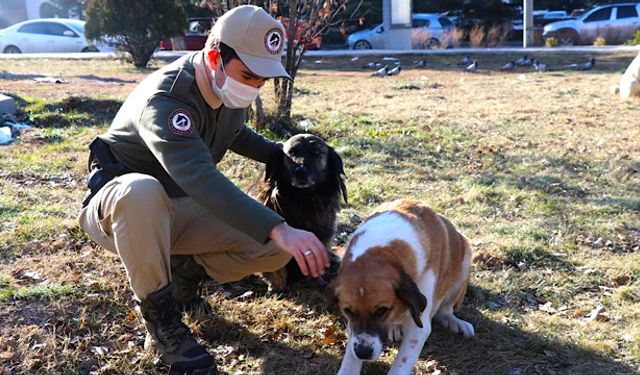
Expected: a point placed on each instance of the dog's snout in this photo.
(300, 171)
(363, 351)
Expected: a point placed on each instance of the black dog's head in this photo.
(307, 162)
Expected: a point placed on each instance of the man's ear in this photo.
(337, 169)
(212, 57)
(274, 165)
(410, 294)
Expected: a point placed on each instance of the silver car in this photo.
(616, 23)
(428, 31)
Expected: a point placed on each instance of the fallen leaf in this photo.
(621, 280)
(7, 355)
(130, 320)
(329, 337)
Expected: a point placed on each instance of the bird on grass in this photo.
(465, 61)
(524, 61)
(508, 66)
(382, 72)
(540, 66)
(473, 67)
(395, 71)
(420, 63)
(373, 65)
(588, 65)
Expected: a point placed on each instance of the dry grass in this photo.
(540, 171)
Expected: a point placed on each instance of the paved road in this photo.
(171, 55)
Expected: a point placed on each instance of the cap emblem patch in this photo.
(180, 122)
(274, 41)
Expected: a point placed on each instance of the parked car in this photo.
(555, 15)
(196, 36)
(577, 13)
(49, 35)
(615, 23)
(428, 31)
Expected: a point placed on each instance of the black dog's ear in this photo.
(331, 298)
(337, 168)
(274, 165)
(410, 294)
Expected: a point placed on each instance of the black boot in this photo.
(186, 277)
(171, 337)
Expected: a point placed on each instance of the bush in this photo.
(635, 41)
(135, 26)
(551, 42)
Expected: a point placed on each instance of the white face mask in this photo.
(234, 94)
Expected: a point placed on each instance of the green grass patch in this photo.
(32, 292)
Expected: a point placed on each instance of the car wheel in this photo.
(567, 37)
(362, 44)
(12, 49)
(90, 49)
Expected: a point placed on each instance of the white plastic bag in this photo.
(5, 135)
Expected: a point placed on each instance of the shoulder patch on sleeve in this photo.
(182, 84)
(181, 122)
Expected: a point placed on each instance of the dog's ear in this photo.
(410, 294)
(274, 165)
(336, 167)
(331, 298)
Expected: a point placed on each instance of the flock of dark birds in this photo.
(390, 66)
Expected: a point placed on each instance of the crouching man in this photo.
(157, 200)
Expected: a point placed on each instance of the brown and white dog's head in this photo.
(375, 293)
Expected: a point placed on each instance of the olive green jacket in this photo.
(166, 129)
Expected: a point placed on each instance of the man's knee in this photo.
(275, 260)
(142, 193)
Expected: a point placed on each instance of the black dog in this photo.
(304, 184)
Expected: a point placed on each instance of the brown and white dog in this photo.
(403, 266)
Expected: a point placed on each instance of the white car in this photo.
(49, 35)
(427, 31)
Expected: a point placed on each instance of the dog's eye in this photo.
(380, 312)
(348, 312)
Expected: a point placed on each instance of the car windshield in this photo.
(77, 26)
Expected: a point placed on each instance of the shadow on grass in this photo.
(499, 348)
(93, 77)
(277, 358)
(70, 111)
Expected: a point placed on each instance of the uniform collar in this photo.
(203, 79)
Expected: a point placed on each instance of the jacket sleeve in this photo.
(253, 145)
(169, 129)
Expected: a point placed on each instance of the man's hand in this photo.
(305, 247)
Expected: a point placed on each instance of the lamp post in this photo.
(396, 20)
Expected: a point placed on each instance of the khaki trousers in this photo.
(133, 217)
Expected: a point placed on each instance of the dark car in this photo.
(195, 37)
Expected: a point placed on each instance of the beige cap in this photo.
(257, 38)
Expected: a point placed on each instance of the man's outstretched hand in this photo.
(306, 248)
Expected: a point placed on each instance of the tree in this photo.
(135, 26)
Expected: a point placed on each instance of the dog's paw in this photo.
(456, 325)
(276, 280)
(395, 333)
